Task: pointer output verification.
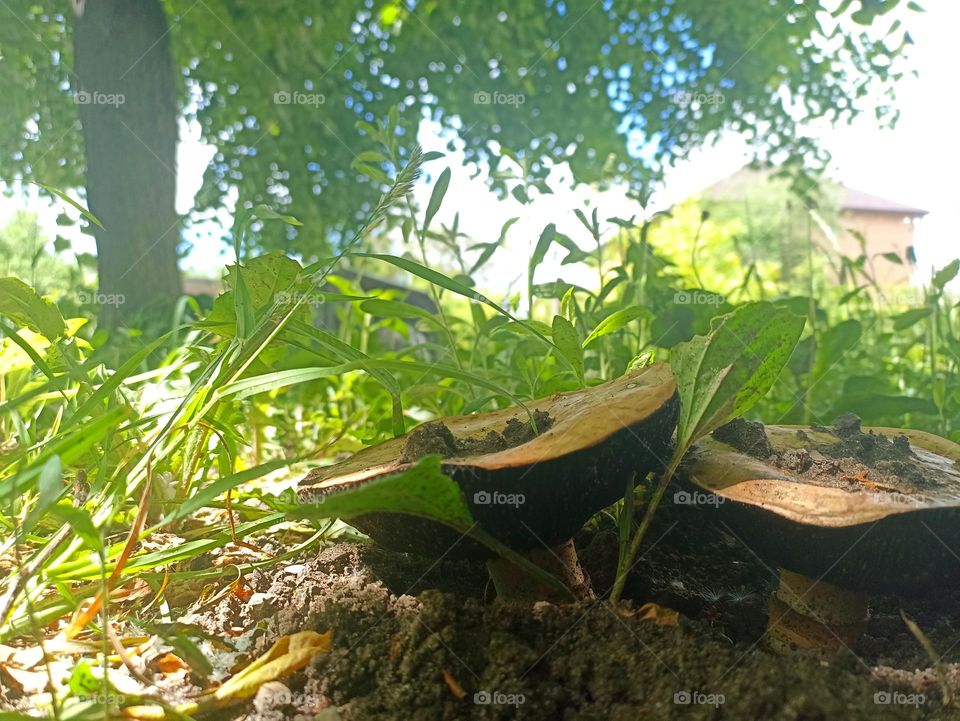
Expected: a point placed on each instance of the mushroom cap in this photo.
(869, 538)
(543, 490)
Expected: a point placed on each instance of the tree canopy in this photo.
(617, 89)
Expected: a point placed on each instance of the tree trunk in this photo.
(125, 93)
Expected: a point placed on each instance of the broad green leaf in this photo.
(722, 374)
(265, 276)
(910, 318)
(615, 321)
(567, 340)
(946, 273)
(265, 212)
(24, 306)
(436, 197)
(422, 491)
(833, 343)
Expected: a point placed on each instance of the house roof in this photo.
(857, 200)
(748, 182)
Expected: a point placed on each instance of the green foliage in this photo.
(290, 118)
(723, 374)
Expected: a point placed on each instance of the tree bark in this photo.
(124, 85)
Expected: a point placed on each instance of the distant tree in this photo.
(617, 89)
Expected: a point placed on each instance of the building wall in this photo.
(883, 233)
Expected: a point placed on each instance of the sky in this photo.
(915, 163)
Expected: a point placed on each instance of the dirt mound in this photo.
(411, 634)
(434, 437)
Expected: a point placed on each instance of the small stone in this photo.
(846, 425)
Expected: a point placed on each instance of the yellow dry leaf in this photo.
(287, 655)
(660, 615)
(455, 688)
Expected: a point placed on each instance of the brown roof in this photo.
(857, 200)
(751, 181)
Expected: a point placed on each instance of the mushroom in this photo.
(530, 491)
(843, 511)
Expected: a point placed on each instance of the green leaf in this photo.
(436, 197)
(49, 484)
(265, 212)
(23, 305)
(543, 245)
(396, 309)
(946, 273)
(722, 374)
(567, 340)
(832, 345)
(114, 381)
(450, 284)
(615, 321)
(910, 318)
(70, 201)
(81, 523)
(422, 491)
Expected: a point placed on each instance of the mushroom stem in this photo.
(515, 584)
(812, 615)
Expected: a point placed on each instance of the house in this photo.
(843, 222)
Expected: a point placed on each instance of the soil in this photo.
(434, 437)
(420, 639)
(855, 460)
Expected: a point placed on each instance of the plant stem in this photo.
(631, 553)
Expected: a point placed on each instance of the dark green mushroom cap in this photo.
(544, 489)
(858, 530)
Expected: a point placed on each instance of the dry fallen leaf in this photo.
(26, 682)
(660, 615)
(455, 688)
(287, 655)
(241, 589)
(171, 663)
